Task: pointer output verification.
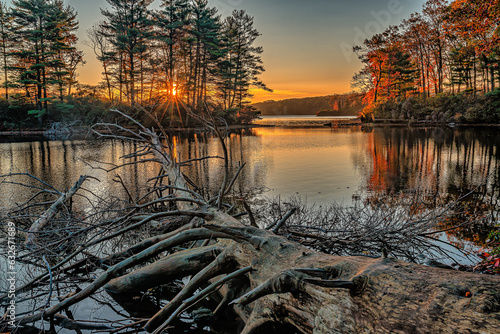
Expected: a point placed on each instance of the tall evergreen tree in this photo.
(242, 64)
(30, 17)
(46, 56)
(5, 43)
(63, 55)
(172, 22)
(206, 34)
(128, 28)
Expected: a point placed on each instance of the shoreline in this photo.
(434, 125)
(85, 133)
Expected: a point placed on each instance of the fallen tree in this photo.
(45, 218)
(265, 277)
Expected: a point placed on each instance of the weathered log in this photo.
(287, 283)
(352, 295)
(44, 219)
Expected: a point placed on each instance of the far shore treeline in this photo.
(350, 104)
(152, 59)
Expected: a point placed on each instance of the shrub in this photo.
(463, 107)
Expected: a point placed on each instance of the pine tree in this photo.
(172, 23)
(242, 64)
(128, 29)
(30, 18)
(63, 55)
(5, 43)
(206, 34)
(45, 53)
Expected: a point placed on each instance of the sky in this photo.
(307, 43)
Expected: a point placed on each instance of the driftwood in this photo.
(268, 279)
(45, 218)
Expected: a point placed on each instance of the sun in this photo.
(174, 90)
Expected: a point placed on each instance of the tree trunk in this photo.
(321, 293)
(5, 68)
(108, 83)
(268, 279)
(131, 90)
(492, 75)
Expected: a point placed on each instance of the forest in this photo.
(349, 104)
(180, 254)
(303, 106)
(150, 59)
(440, 65)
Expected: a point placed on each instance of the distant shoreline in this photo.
(287, 121)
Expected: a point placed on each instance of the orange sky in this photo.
(307, 43)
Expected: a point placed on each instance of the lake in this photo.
(319, 164)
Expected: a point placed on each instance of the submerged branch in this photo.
(40, 223)
(263, 275)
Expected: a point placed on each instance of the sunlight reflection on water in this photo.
(319, 164)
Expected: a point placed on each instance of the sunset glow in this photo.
(237, 167)
(296, 65)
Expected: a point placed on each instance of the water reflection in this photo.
(446, 161)
(318, 164)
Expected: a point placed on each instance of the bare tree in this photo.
(263, 275)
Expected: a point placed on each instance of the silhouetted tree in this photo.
(127, 27)
(5, 43)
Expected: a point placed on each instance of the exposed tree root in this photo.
(266, 278)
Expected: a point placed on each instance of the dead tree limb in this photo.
(169, 268)
(250, 213)
(45, 218)
(288, 282)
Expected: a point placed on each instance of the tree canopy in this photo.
(183, 51)
(447, 48)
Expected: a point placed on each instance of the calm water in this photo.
(301, 120)
(319, 164)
